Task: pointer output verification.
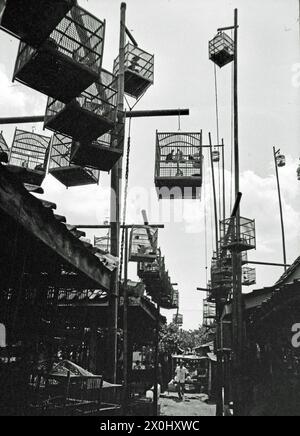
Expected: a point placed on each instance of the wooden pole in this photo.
(280, 208)
(156, 363)
(224, 183)
(237, 303)
(116, 182)
(214, 195)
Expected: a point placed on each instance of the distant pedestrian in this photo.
(181, 374)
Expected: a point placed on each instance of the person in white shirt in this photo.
(180, 377)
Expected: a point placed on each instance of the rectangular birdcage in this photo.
(226, 257)
(63, 170)
(4, 151)
(29, 156)
(32, 21)
(88, 116)
(238, 239)
(139, 70)
(68, 62)
(209, 313)
(179, 164)
(248, 276)
(143, 244)
(102, 154)
(103, 243)
(221, 49)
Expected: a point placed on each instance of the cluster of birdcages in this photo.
(61, 55)
(179, 163)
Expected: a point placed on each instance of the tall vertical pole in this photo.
(219, 387)
(237, 303)
(224, 183)
(116, 182)
(280, 208)
(156, 363)
(125, 325)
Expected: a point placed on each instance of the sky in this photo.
(177, 32)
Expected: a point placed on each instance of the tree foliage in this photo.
(173, 339)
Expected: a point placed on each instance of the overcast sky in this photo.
(177, 32)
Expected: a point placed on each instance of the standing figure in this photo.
(180, 377)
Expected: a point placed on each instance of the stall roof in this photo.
(38, 221)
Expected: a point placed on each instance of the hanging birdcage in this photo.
(103, 243)
(221, 49)
(4, 151)
(298, 172)
(143, 244)
(29, 156)
(88, 116)
(216, 156)
(239, 240)
(226, 257)
(32, 21)
(102, 154)
(248, 276)
(139, 71)
(209, 313)
(68, 62)
(61, 168)
(280, 160)
(176, 175)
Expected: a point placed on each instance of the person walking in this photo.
(180, 377)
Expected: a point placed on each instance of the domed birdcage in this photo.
(88, 116)
(63, 170)
(102, 154)
(29, 156)
(179, 163)
(221, 49)
(68, 62)
(32, 21)
(280, 160)
(139, 70)
(143, 244)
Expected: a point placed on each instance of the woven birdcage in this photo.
(88, 116)
(143, 244)
(68, 62)
(32, 21)
(179, 163)
(29, 156)
(63, 170)
(139, 70)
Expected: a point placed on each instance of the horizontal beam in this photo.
(131, 114)
(268, 264)
(221, 29)
(127, 226)
(203, 290)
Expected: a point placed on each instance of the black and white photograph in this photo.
(149, 211)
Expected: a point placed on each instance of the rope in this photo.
(125, 200)
(205, 222)
(232, 134)
(218, 134)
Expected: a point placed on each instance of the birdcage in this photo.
(32, 21)
(103, 243)
(139, 70)
(178, 169)
(216, 156)
(88, 116)
(209, 313)
(4, 151)
(248, 276)
(298, 172)
(280, 160)
(68, 62)
(221, 49)
(28, 156)
(102, 154)
(238, 239)
(61, 168)
(143, 244)
(226, 257)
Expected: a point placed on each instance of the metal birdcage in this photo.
(221, 49)
(103, 243)
(102, 154)
(29, 156)
(68, 62)
(234, 239)
(63, 170)
(248, 276)
(139, 71)
(209, 313)
(179, 163)
(88, 116)
(32, 21)
(143, 244)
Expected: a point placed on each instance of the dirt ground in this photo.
(192, 405)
